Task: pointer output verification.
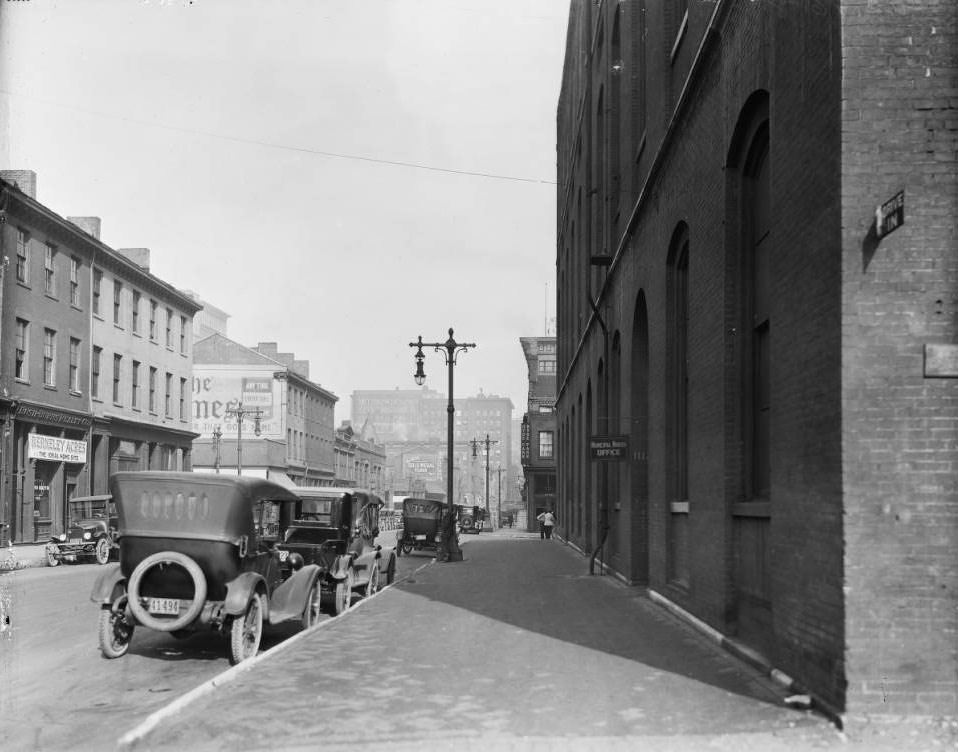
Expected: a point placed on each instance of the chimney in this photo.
(24, 180)
(301, 367)
(269, 349)
(89, 225)
(139, 256)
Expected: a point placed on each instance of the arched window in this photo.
(678, 343)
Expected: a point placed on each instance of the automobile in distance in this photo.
(422, 520)
(90, 533)
(335, 529)
(199, 551)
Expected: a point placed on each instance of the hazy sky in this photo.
(253, 147)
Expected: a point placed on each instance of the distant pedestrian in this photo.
(547, 521)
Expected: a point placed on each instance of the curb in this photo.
(138, 732)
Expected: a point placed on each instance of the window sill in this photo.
(51, 296)
(24, 285)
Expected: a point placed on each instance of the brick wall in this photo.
(900, 452)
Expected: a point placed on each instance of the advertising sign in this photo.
(55, 449)
(216, 391)
(607, 448)
(424, 466)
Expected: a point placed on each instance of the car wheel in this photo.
(312, 611)
(344, 594)
(102, 552)
(391, 571)
(406, 547)
(246, 631)
(373, 585)
(114, 631)
(52, 558)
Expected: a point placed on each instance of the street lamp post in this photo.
(499, 495)
(449, 549)
(217, 439)
(239, 412)
(488, 442)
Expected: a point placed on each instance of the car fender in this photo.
(289, 599)
(239, 590)
(109, 585)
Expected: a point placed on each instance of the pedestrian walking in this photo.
(547, 521)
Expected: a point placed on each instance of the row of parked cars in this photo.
(233, 554)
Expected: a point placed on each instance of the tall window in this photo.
(49, 270)
(117, 299)
(135, 384)
(153, 320)
(23, 260)
(183, 331)
(74, 281)
(135, 312)
(152, 389)
(758, 318)
(169, 327)
(117, 373)
(168, 401)
(22, 371)
(74, 364)
(95, 372)
(49, 357)
(97, 282)
(545, 444)
(182, 399)
(678, 322)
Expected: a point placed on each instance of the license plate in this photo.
(283, 555)
(75, 540)
(419, 537)
(169, 606)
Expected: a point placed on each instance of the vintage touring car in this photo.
(421, 523)
(200, 551)
(336, 529)
(90, 533)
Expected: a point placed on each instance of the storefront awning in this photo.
(281, 479)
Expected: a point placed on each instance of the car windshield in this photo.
(90, 509)
(314, 535)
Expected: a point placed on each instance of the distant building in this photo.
(209, 319)
(539, 428)
(413, 424)
(360, 461)
(95, 366)
(287, 427)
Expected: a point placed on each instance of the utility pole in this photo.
(499, 494)
(217, 439)
(475, 444)
(240, 412)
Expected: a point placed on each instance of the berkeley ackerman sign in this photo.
(54, 448)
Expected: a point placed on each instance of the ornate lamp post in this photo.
(239, 412)
(217, 439)
(449, 541)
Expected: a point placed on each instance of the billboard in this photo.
(219, 392)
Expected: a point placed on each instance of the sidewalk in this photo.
(516, 648)
(22, 556)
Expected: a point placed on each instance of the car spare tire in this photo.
(143, 616)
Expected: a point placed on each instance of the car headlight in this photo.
(87, 536)
(62, 537)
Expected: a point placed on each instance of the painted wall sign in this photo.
(890, 215)
(55, 449)
(217, 389)
(608, 448)
(941, 361)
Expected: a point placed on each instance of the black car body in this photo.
(91, 533)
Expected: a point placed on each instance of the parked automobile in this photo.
(335, 529)
(471, 519)
(200, 551)
(90, 531)
(422, 519)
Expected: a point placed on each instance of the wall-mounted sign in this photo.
(941, 361)
(607, 448)
(217, 389)
(890, 215)
(55, 449)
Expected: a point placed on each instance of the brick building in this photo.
(95, 362)
(780, 357)
(539, 428)
(285, 430)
